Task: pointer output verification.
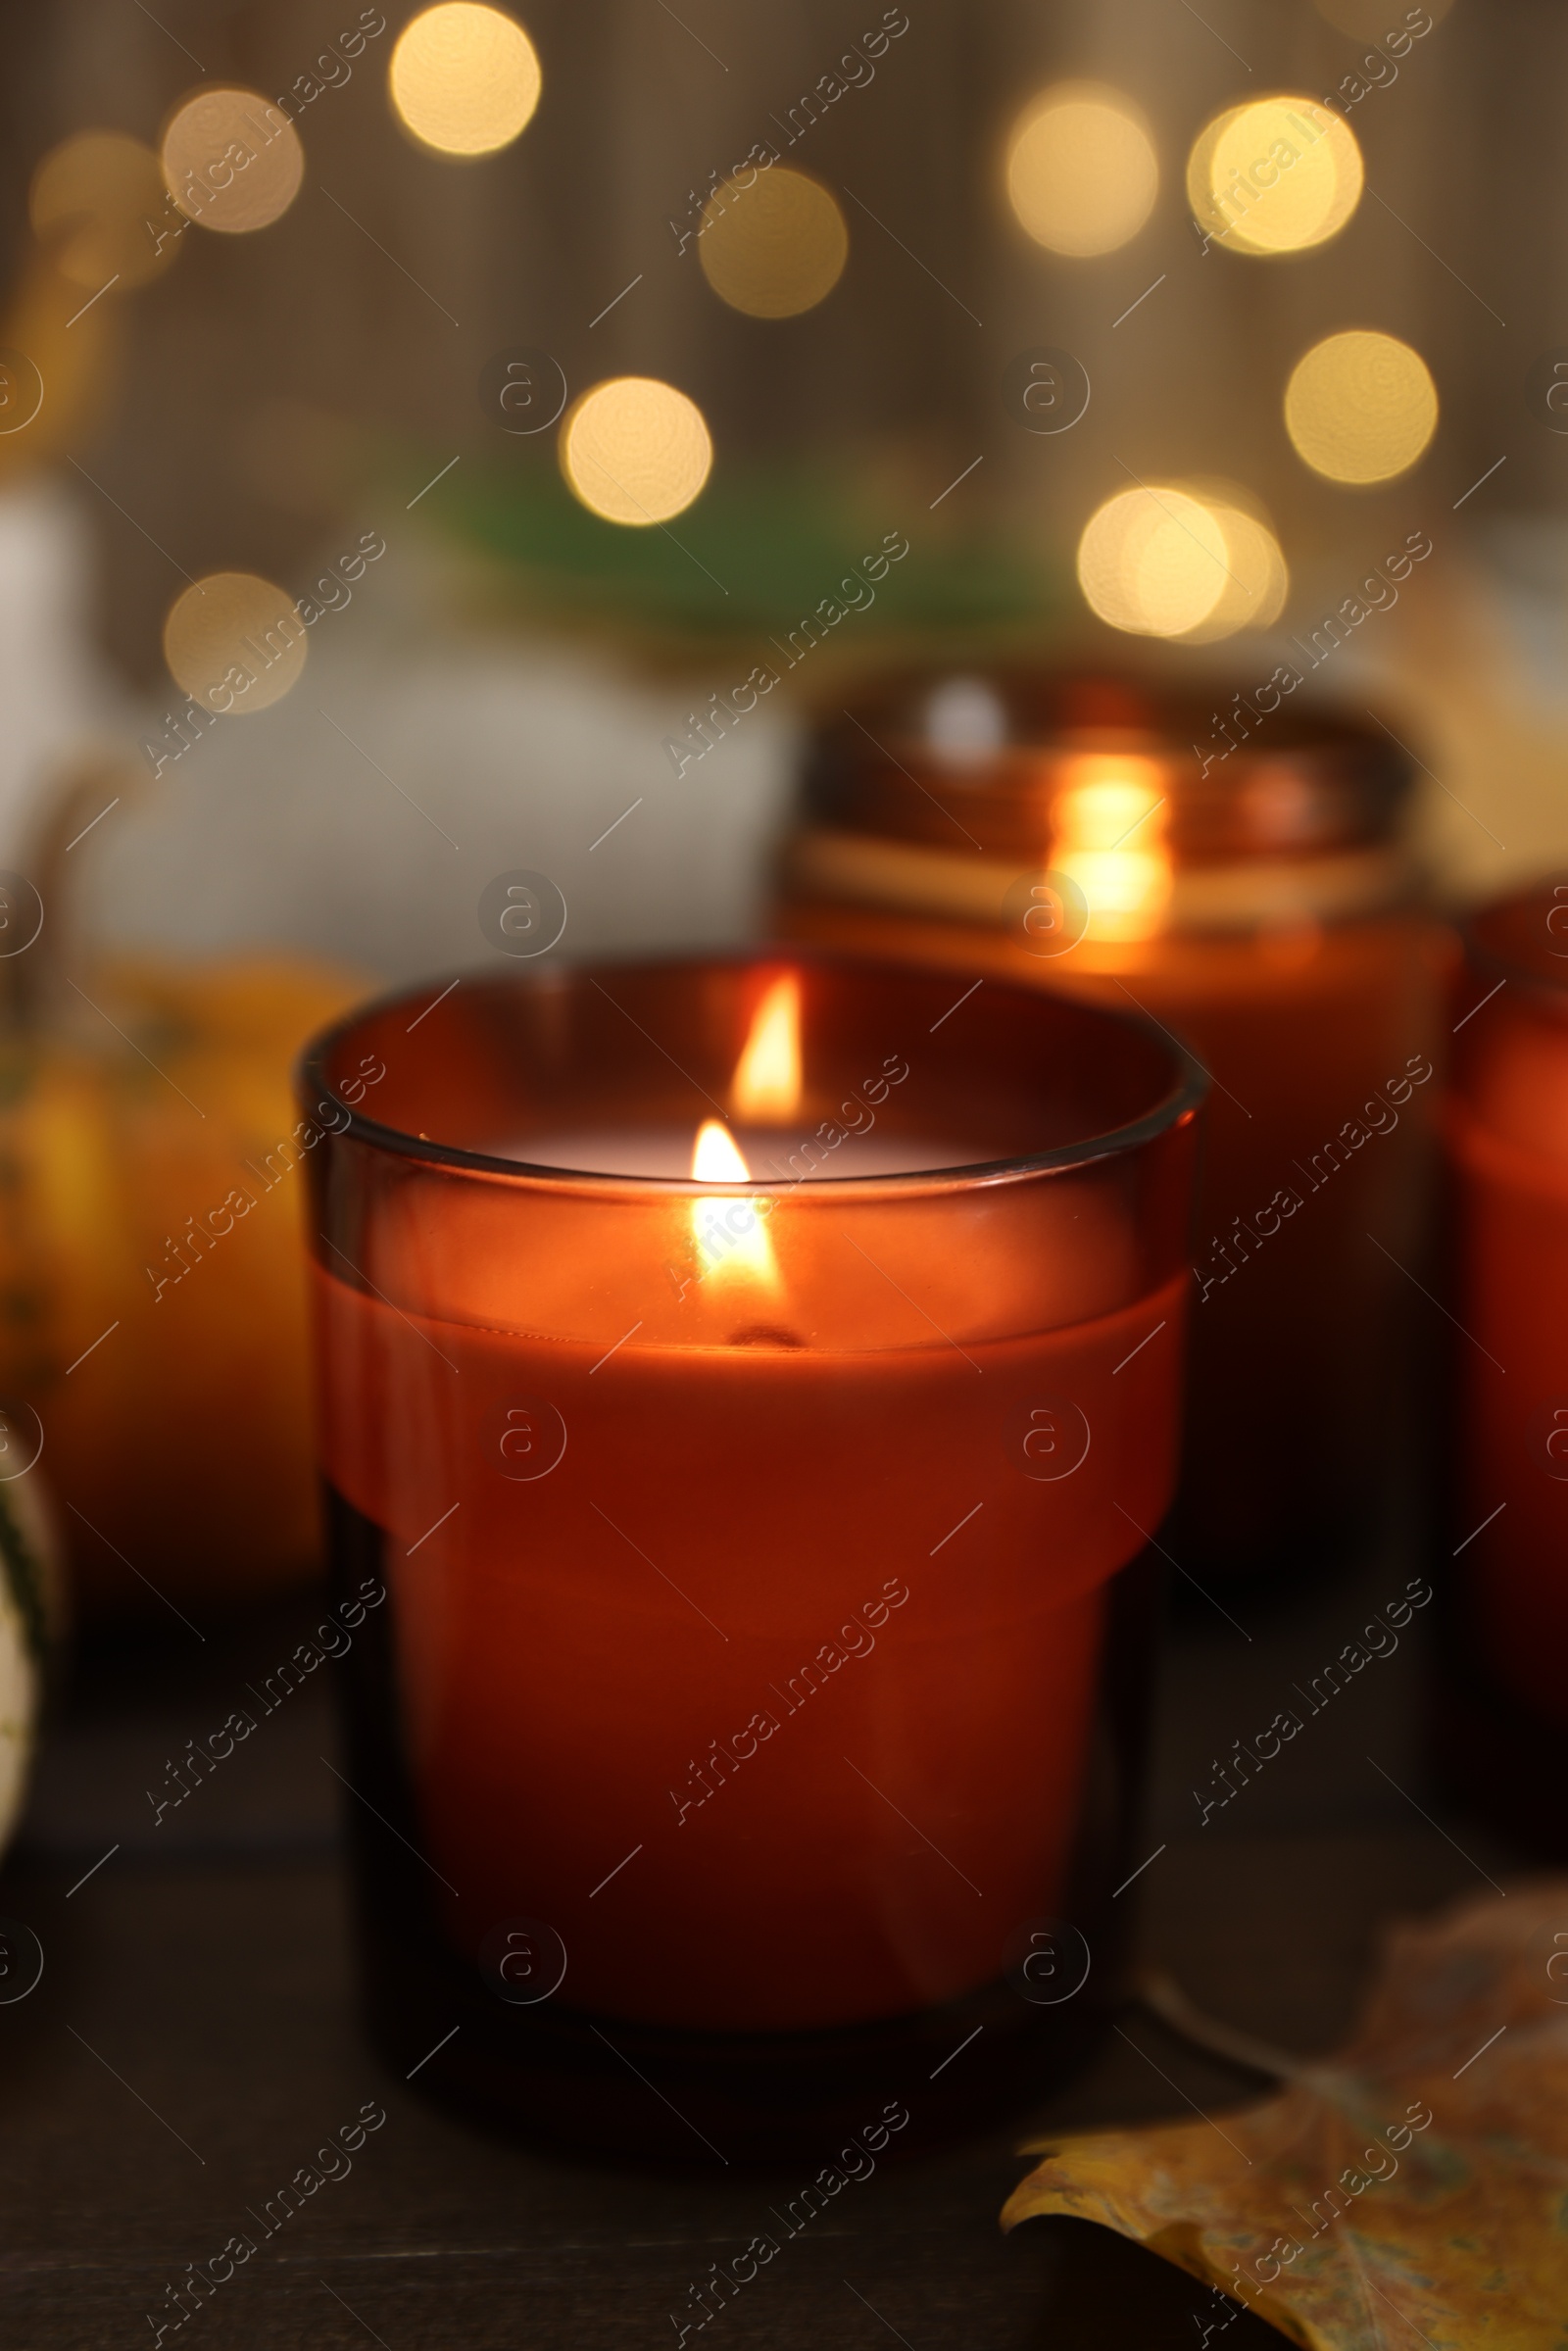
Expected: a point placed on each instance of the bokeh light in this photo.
(1361, 407)
(773, 247)
(234, 643)
(1082, 170)
(90, 204)
(1257, 581)
(1153, 560)
(1190, 561)
(231, 160)
(635, 450)
(464, 79)
(966, 722)
(1275, 175)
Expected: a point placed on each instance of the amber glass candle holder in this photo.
(1237, 877)
(1505, 1726)
(750, 1731)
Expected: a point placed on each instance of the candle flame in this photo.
(717, 1156)
(729, 1233)
(767, 1086)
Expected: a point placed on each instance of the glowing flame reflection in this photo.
(1109, 827)
(767, 1086)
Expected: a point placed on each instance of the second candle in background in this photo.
(1239, 878)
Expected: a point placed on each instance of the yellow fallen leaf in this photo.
(1413, 2184)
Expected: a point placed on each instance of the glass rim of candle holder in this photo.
(1295, 820)
(1180, 1101)
(1494, 944)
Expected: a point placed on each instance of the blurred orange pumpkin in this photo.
(152, 1278)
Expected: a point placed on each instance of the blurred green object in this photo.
(756, 554)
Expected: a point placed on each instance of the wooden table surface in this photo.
(193, 2041)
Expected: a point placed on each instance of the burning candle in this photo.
(753, 1390)
(1239, 880)
(1506, 1128)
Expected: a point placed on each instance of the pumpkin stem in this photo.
(83, 789)
(1164, 1995)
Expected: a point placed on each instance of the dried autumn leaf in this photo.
(1415, 2183)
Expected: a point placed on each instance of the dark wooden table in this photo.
(193, 2041)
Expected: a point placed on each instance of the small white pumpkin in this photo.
(28, 1585)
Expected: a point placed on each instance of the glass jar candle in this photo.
(1506, 1123)
(1241, 882)
(748, 1563)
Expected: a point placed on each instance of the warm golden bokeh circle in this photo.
(1082, 170)
(231, 160)
(1276, 175)
(1361, 407)
(775, 246)
(1152, 560)
(1257, 581)
(635, 450)
(234, 643)
(95, 205)
(1189, 561)
(464, 79)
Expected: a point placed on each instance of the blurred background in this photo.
(506, 676)
(443, 444)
